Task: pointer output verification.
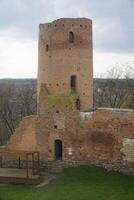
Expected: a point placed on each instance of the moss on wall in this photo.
(56, 100)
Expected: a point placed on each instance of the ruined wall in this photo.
(24, 137)
(31, 135)
(106, 131)
(105, 134)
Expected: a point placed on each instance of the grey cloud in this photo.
(113, 20)
(25, 15)
(116, 17)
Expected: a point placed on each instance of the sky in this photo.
(113, 32)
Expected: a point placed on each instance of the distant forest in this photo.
(18, 99)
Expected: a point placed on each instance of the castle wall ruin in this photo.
(66, 127)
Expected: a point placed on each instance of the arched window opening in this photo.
(78, 104)
(47, 48)
(73, 84)
(58, 149)
(71, 37)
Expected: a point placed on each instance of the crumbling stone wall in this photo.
(128, 149)
(24, 137)
(105, 135)
(107, 129)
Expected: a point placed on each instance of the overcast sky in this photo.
(113, 32)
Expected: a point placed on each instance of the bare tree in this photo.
(27, 101)
(117, 89)
(15, 103)
(6, 109)
(129, 76)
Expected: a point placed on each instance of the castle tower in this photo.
(66, 59)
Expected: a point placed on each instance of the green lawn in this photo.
(81, 183)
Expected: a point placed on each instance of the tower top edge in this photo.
(68, 20)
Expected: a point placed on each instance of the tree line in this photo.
(116, 90)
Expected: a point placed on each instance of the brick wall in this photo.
(100, 135)
(64, 59)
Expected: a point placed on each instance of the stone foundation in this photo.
(124, 167)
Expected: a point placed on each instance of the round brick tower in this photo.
(66, 59)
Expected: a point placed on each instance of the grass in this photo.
(81, 183)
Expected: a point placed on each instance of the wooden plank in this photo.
(20, 180)
(10, 175)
